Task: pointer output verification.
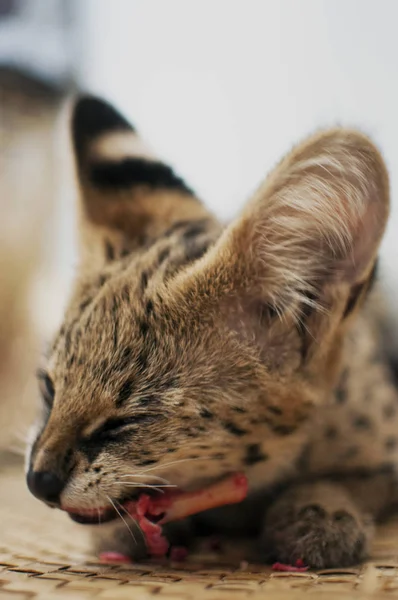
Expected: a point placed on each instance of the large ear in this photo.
(303, 252)
(127, 194)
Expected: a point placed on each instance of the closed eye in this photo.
(112, 427)
(46, 387)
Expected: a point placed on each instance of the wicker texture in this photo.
(43, 555)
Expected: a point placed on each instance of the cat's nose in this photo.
(45, 485)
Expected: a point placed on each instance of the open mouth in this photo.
(93, 517)
(103, 514)
(151, 511)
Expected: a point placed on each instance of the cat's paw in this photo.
(320, 533)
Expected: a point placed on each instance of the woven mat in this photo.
(44, 555)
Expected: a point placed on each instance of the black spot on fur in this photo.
(362, 422)
(144, 280)
(195, 251)
(302, 461)
(143, 325)
(91, 449)
(131, 172)
(351, 452)
(234, 429)
(67, 340)
(331, 432)
(142, 360)
(109, 251)
(148, 401)
(147, 462)
(274, 410)
(218, 455)
(391, 443)
(389, 411)
(102, 280)
(169, 383)
(341, 392)
(125, 358)
(254, 454)
(149, 307)
(84, 304)
(126, 293)
(283, 429)
(239, 409)
(163, 255)
(125, 392)
(195, 229)
(67, 461)
(71, 361)
(206, 413)
(192, 433)
(176, 226)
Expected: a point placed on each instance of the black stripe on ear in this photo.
(130, 172)
(93, 117)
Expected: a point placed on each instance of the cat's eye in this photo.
(112, 427)
(46, 387)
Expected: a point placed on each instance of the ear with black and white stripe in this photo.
(127, 194)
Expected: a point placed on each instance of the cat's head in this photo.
(189, 351)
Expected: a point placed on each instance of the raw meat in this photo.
(299, 567)
(152, 513)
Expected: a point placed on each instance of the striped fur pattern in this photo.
(190, 350)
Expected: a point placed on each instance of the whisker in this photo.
(174, 462)
(19, 450)
(141, 486)
(98, 513)
(157, 488)
(21, 434)
(134, 520)
(122, 518)
(133, 475)
(145, 484)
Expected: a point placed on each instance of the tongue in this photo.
(176, 506)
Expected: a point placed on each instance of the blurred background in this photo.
(221, 88)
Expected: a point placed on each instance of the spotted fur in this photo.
(190, 350)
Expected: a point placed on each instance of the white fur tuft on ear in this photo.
(319, 217)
